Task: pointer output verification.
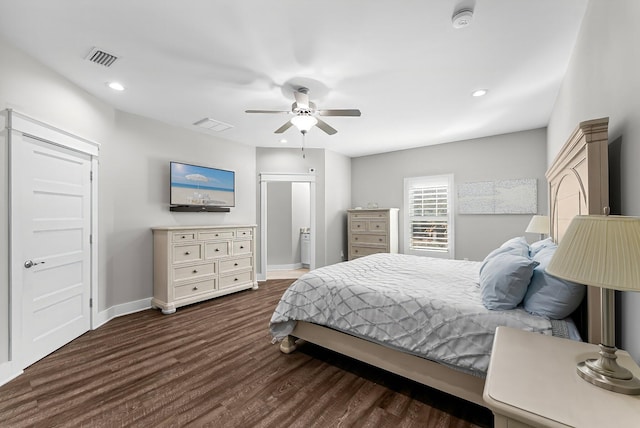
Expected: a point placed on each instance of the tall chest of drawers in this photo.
(372, 231)
(191, 264)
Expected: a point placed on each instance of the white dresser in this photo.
(195, 263)
(372, 231)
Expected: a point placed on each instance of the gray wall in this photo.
(603, 79)
(279, 213)
(133, 176)
(380, 179)
(337, 201)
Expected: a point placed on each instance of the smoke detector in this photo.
(462, 18)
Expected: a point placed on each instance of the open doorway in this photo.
(288, 229)
(287, 225)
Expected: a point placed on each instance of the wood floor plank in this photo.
(213, 364)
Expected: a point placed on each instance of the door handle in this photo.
(31, 263)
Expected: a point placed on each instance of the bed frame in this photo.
(578, 184)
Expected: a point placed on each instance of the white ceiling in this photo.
(400, 62)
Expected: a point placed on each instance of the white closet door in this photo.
(54, 205)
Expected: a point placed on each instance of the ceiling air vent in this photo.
(101, 57)
(213, 125)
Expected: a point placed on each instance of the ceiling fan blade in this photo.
(283, 128)
(340, 112)
(302, 99)
(266, 111)
(326, 127)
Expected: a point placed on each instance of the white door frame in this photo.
(291, 178)
(17, 127)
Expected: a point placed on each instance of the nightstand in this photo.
(532, 382)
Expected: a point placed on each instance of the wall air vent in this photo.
(101, 57)
(212, 125)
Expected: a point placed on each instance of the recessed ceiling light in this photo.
(479, 92)
(283, 141)
(116, 86)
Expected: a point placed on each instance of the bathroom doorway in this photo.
(287, 225)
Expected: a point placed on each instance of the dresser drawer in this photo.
(216, 249)
(244, 233)
(231, 265)
(356, 251)
(187, 253)
(216, 234)
(362, 238)
(237, 279)
(359, 225)
(194, 271)
(183, 236)
(193, 288)
(377, 226)
(369, 215)
(241, 247)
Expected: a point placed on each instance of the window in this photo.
(428, 221)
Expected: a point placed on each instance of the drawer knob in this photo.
(355, 251)
(377, 225)
(184, 237)
(356, 238)
(379, 239)
(195, 288)
(186, 253)
(235, 279)
(195, 271)
(241, 247)
(235, 264)
(217, 234)
(217, 249)
(358, 226)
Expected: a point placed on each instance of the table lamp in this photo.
(602, 251)
(539, 224)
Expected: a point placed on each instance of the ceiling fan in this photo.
(305, 114)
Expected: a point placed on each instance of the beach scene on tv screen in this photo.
(197, 185)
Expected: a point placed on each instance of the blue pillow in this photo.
(539, 245)
(549, 296)
(518, 246)
(504, 280)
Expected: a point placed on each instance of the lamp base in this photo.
(606, 373)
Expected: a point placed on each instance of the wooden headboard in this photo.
(579, 185)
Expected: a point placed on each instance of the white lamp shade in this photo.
(304, 122)
(538, 224)
(603, 251)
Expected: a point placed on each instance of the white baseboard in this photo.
(120, 310)
(292, 266)
(9, 371)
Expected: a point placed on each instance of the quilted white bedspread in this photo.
(425, 306)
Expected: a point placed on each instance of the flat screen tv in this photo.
(201, 186)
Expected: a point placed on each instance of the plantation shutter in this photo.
(428, 206)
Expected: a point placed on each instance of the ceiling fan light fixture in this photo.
(304, 122)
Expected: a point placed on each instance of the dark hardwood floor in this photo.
(213, 364)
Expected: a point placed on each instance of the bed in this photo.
(425, 339)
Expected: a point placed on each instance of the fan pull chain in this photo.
(303, 140)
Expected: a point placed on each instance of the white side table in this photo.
(532, 382)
